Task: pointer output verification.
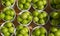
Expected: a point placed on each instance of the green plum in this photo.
(43, 30)
(53, 29)
(57, 33)
(25, 22)
(2, 16)
(51, 34)
(39, 3)
(8, 3)
(34, 1)
(7, 34)
(35, 13)
(11, 29)
(20, 6)
(36, 19)
(4, 30)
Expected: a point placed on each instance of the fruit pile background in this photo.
(48, 9)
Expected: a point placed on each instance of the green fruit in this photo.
(22, 1)
(8, 18)
(19, 35)
(19, 19)
(20, 6)
(4, 30)
(54, 15)
(27, 5)
(43, 30)
(37, 32)
(8, 3)
(7, 34)
(39, 3)
(12, 1)
(26, 29)
(8, 24)
(36, 19)
(22, 31)
(2, 16)
(25, 22)
(53, 29)
(12, 13)
(51, 34)
(34, 1)
(40, 7)
(42, 35)
(44, 2)
(35, 13)
(27, 13)
(28, 0)
(29, 18)
(55, 22)
(40, 15)
(11, 29)
(57, 33)
(23, 16)
(26, 34)
(44, 14)
(42, 21)
(19, 27)
(7, 12)
(35, 6)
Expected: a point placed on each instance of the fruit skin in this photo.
(53, 29)
(41, 21)
(35, 13)
(51, 34)
(54, 15)
(4, 30)
(20, 6)
(57, 33)
(34, 1)
(36, 32)
(11, 29)
(8, 24)
(2, 16)
(43, 30)
(36, 19)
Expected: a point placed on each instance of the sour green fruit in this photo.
(54, 29)
(35, 13)
(51, 34)
(43, 30)
(11, 29)
(2, 16)
(36, 19)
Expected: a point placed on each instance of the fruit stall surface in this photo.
(31, 25)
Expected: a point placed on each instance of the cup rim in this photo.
(39, 27)
(50, 17)
(23, 26)
(52, 7)
(14, 14)
(4, 24)
(10, 5)
(23, 9)
(45, 21)
(43, 8)
(27, 23)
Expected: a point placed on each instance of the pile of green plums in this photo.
(55, 17)
(24, 18)
(7, 29)
(8, 3)
(55, 4)
(54, 31)
(22, 31)
(39, 32)
(40, 18)
(8, 14)
(39, 4)
(24, 4)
